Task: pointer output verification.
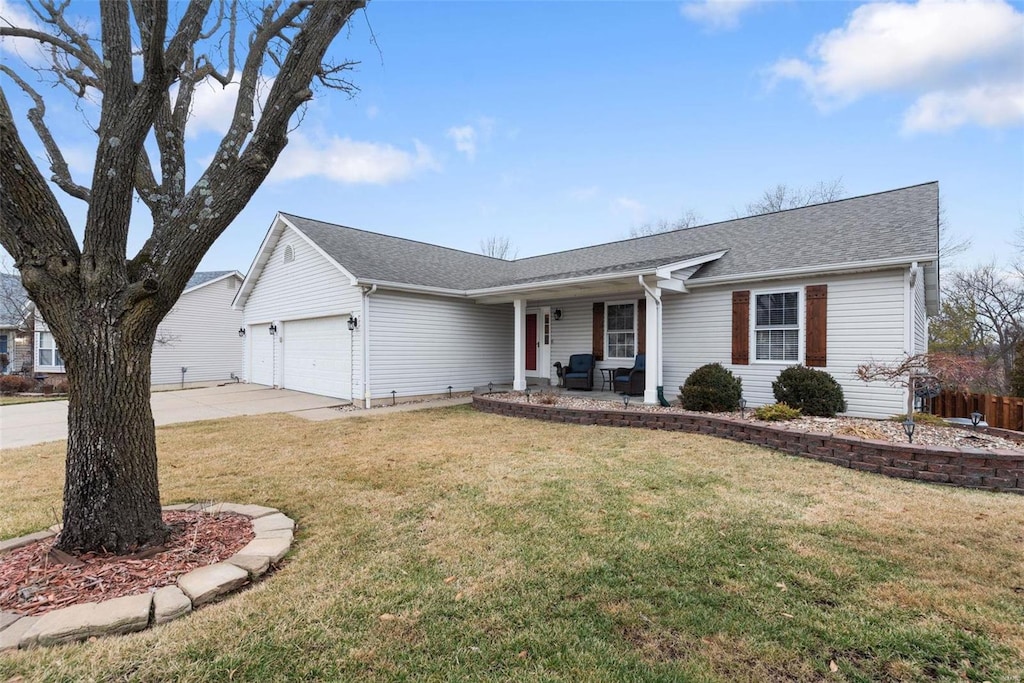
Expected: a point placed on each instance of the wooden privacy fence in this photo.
(1002, 412)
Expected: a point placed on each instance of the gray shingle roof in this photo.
(204, 277)
(894, 224)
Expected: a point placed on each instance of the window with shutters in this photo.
(620, 330)
(777, 326)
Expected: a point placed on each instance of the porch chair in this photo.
(632, 380)
(579, 373)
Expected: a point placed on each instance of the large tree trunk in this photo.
(111, 494)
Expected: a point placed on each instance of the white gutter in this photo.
(877, 264)
(365, 339)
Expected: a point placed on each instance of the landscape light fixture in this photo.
(908, 427)
(393, 393)
(353, 323)
(241, 332)
(273, 329)
(527, 393)
(976, 418)
(449, 391)
(743, 408)
(558, 314)
(490, 387)
(625, 401)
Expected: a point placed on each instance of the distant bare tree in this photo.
(689, 219)
(783, 196)
(498, 246)
(951, 244)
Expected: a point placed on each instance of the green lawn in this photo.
(453, 545)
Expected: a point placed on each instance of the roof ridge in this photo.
(395, 237)
(729, 220)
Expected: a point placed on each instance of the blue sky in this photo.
(560, 125)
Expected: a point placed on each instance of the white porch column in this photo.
(652, 376)
(519, 380)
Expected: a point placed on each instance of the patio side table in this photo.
(607, 378)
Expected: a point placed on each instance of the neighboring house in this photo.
(197, 341)
(353, 314)
(15, 324)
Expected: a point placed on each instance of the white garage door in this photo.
(317, 356)
(262, 346)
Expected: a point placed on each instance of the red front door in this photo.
(531, 341)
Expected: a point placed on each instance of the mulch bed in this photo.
(34, 580)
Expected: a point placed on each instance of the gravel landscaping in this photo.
(885, 430)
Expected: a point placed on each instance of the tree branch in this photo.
(61, 173)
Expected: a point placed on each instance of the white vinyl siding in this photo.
(307, 286)
(420, 345)
(200, 333)
(865, 321)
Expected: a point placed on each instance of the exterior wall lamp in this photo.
(241, 332)
(558, 314)
(273, 329)
(353, 323)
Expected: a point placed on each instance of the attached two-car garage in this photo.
(313, 355)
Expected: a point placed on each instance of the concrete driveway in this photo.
(31, 423)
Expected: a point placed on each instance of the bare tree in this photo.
(783, 196)
(103, 308)
(994, 301)
(689, 219)
(498, 246)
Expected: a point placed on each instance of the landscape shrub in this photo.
(813, 392)
(776, 412)
(13, 384)
(549, 398)
(61, 387)
(711, 388)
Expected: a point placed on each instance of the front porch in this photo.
(612, 315)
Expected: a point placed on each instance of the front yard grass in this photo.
(454, 545)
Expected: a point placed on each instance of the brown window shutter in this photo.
(641, 326)
(817, 324)
(598, 330)
(741, 327)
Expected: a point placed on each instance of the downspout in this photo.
(365, 340)
(657, 312)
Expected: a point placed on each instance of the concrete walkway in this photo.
(31, 423)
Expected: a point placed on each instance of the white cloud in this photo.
(213, 105)
(988, 105)
(464, 138)
(26, 49)
(350, 161)
(716, 14)
(372, 111)
(468, 137)
(962, 59)
(635, 209)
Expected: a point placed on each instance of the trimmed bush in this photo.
(711, 388)
(13, 384)
(61, 387)
(813, 392)
(776, 412)
(921, 419)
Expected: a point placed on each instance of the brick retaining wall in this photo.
(994, 470)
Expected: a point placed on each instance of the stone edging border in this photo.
(992, 470)
(274, 533)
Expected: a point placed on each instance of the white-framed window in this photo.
(777, 326)
(620, 329)
(3, 343)
(47, 353)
